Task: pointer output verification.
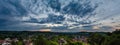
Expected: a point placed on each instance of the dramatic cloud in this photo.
(60, 15)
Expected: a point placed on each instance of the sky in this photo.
(60, 15)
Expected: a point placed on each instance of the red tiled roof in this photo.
(1, 41)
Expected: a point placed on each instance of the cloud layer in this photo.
(59, 15)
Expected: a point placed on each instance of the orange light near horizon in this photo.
(45, 30)
(83, 31)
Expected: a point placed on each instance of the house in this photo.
(28, 42)
(1, 41)
(6, 43)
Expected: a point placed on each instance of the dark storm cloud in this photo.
(72, 8)
(76, 8)
(12, 9)
(54, 19)
(55, 14)
(9, 9)
(55, 4)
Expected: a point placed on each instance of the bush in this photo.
(75, 43)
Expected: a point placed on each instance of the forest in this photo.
(59, 38)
